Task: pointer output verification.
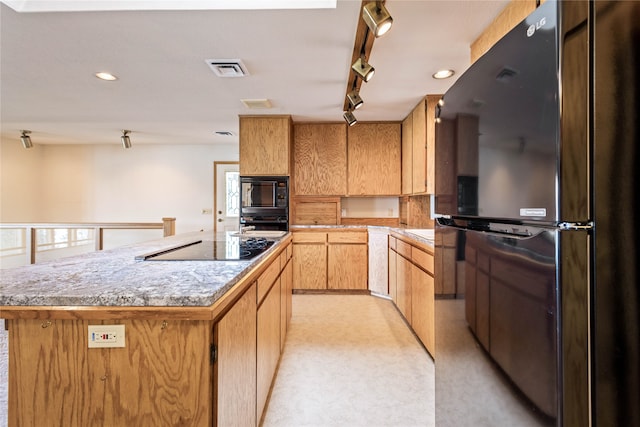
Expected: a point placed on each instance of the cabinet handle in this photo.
(103, 378)
(45, 324)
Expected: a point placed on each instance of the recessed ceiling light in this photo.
(443, 74)
(106, 76)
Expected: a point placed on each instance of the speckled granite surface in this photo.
(116, 278)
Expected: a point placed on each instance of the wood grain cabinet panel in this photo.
(235, 393)
(162, 374)
(422, 307)
(310, 265)
(374, 159)
(316, 211)
(403, 267)
(330, 259)
(265, 145)
(347, 266)
(268, 345)
(320, 159)
(419, 146)
(430, 140)
(407, 155)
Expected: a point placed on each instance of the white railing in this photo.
(24, 241)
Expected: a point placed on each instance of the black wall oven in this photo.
(264, 202)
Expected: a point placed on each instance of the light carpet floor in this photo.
(350, 360)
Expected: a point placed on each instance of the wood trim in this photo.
(510, 16)
(383, 222)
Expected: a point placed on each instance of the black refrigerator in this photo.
(537, 182)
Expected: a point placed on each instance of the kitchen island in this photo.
(198, 336)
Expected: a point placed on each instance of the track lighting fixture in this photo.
(354, 99)
(377, 18)
(363, 69)
(26, 139)
(350, 118)
(126, 141)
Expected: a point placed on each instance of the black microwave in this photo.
(264, 192)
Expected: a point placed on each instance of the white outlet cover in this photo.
(106, 336)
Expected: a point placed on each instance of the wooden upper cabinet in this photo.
(265, 145)
(407, 155)
(419, 145)
(418, 148)
(320, 153)
(374, 159)
(430, 140)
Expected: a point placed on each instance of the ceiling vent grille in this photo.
(256, 104)
(227, 67)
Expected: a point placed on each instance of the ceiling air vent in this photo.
(256, 104)
(227, 67)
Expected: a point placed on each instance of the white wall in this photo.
(106, 183)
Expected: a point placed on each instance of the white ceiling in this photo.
(166, 93)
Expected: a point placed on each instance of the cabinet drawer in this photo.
(423, 259)
(347, 237)
(289, 251)
(283, 259)
(309, 237)
(267, 278)
(404, 249)
(392, 242)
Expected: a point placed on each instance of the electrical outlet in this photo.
(343, 212)
(206, 211)
(106, 336)
(390, 212)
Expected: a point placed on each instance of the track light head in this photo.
(354, 99)
(377, 18)
(363, 69)
(350, 118)
(126, 141)
(26, 139)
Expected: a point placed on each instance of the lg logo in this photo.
(534, 27)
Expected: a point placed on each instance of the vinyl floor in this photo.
(350, 360)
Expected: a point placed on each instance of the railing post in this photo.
(169, 225)
(31, 244)
(99, 235)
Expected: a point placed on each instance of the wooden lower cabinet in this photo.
(166, 374)
(347, 266)
(268, 345)
(422, 307)
(330, 260)
(403, 300)
(411, 287)
(235, 396)
(162, 376)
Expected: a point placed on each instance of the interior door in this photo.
(227, 196)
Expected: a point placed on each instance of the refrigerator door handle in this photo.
(576, 226)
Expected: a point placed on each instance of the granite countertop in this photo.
(115, 278)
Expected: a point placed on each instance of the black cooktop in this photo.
(231, 249)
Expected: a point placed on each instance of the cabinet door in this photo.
(407, 155)
(265, 145)
(432, 102)
(347, 266)
(422, 307)
(316, 211)
(393, 275)
(286, 281)
(404, 287)
(268, 345)
(419, 148)
(374, 159)
(320, 159)
(310, 266)
(235, 391)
